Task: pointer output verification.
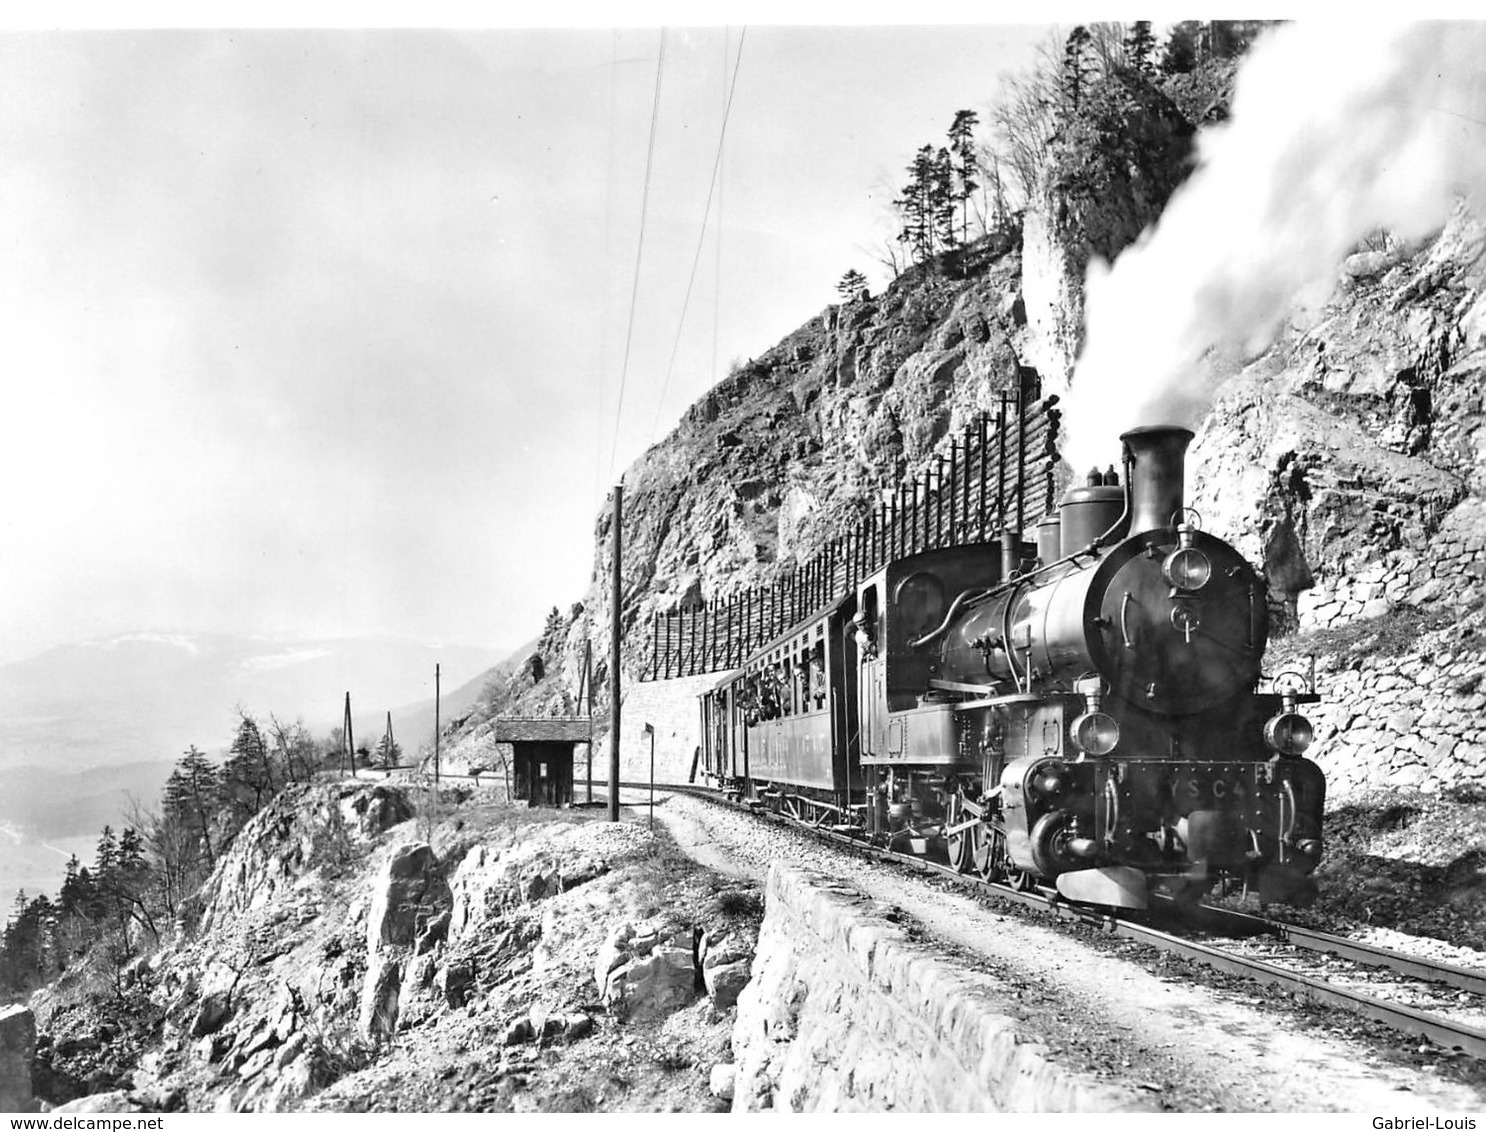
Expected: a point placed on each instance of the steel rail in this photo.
(1462, 978)
(1451, 1035)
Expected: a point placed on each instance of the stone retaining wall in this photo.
(670, 706)
(1404, 716)
(1410, 721)
(846, 1012)
(1451, 565)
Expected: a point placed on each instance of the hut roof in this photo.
(570, 729)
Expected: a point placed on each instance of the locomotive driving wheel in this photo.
(990, 852)
(961, 843)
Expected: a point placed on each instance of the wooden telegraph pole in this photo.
(614, 654)
(349, 737)
(435, 726)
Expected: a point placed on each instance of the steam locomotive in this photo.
(1089, 718)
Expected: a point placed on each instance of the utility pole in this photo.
(614, 653)
(585, 688)
(349, 738)
(435, 726)
(391, 748)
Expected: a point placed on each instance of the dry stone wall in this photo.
(1402, 714)
(1404, 720)
(1451, 566)
(845, 1012)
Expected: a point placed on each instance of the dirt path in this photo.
(1197, 1048)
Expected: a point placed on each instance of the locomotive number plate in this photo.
(1195, 787)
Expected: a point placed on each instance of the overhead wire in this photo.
(712, 188)
(721, 183)
(660, 67)
(603, 348)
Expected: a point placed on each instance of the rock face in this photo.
(305, 827)
(1350, 460)
(17, 1044)
(845, 1013)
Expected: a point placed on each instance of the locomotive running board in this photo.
(1114, 886)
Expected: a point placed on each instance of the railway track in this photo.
(1316, 966)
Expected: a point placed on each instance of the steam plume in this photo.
(1336, 129)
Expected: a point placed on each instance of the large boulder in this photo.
(725, 966)
(17, 1044)
(407, 896)
(642, 972)
(212, 1014)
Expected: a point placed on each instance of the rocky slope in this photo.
(368, 947)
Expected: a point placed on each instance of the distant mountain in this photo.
(86, 727)
(144, 697)
(412, 723)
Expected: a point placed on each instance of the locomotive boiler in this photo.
(1088, 716)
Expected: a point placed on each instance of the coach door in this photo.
(872, 685)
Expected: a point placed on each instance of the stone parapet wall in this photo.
(845, 1012)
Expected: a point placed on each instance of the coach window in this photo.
(787, 686)
(818, 675)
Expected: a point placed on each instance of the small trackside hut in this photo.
(544, 752)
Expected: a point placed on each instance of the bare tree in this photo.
(1107, 43)
(175, 849)
(295, 748)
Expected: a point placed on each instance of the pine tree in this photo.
(917, 206)
(106, 859)
(248, 776)
(942, 200)
(131, 882)
(68, 896)
(1183, 47)
(192, 798)
(388, 753)
(851, 285)
(967, 167)
(1077, 67)
(1140, 48)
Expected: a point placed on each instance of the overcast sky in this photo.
(321, 333)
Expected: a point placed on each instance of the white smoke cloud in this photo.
(1336, 129)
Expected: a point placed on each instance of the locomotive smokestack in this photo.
(1156, 479)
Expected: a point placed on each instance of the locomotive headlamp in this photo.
(1186, 567)
(1289, 733)
(1095, 733)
